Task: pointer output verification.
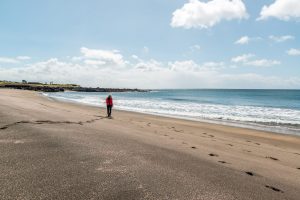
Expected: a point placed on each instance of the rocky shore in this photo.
(34, 88)
(87, 89)
(63, 87)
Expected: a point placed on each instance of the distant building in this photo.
(24, 81)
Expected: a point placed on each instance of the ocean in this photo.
(270, 110)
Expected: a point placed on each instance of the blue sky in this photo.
(152, 44)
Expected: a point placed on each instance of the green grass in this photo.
(39, 85)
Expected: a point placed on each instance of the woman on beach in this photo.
(109, 105)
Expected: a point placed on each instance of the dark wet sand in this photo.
(58, 150)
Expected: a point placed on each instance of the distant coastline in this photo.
(44, 87)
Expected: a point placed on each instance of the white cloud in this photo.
(253, 80)
(213, 66)
(135, 57)
(198, 14)
(281, 38)
(281, 9)
(146, 74)
(243, 40)
(76, 58)
(248, 59)
(23, 58)
(243, 58)
(263, 63)
(13, 60)
(195, 47)
(8, 60)
(151, 65)
(94, 62)
(190, 66)
(294, 52)
(185, 66)
(109, 57)
(246, 39)
(146, 49)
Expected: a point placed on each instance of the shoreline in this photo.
(76, 150)
(239, 124)
(218, 126)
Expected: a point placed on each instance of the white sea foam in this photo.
(199, 111)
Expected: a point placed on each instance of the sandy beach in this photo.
(60, 150)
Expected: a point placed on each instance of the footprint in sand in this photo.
(211, 136)
(223, 162)
(247, 150)
(257, 143)
(248, 141)
(212, 154)
(274, 188)
(204, 133)
(174, 129)
(230, 145)
(250, 173)
(272, 158)
(298, 168)
(184, 143)
(297, 154)
(178, 131)
(166, 135)
(194, 147)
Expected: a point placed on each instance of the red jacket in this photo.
(109, 101)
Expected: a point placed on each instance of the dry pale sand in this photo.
(59, 150)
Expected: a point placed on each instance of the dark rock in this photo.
(35, 88)
(89, 89)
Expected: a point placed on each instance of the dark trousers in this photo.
(109, 110)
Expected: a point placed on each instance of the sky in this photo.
(157, 44)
